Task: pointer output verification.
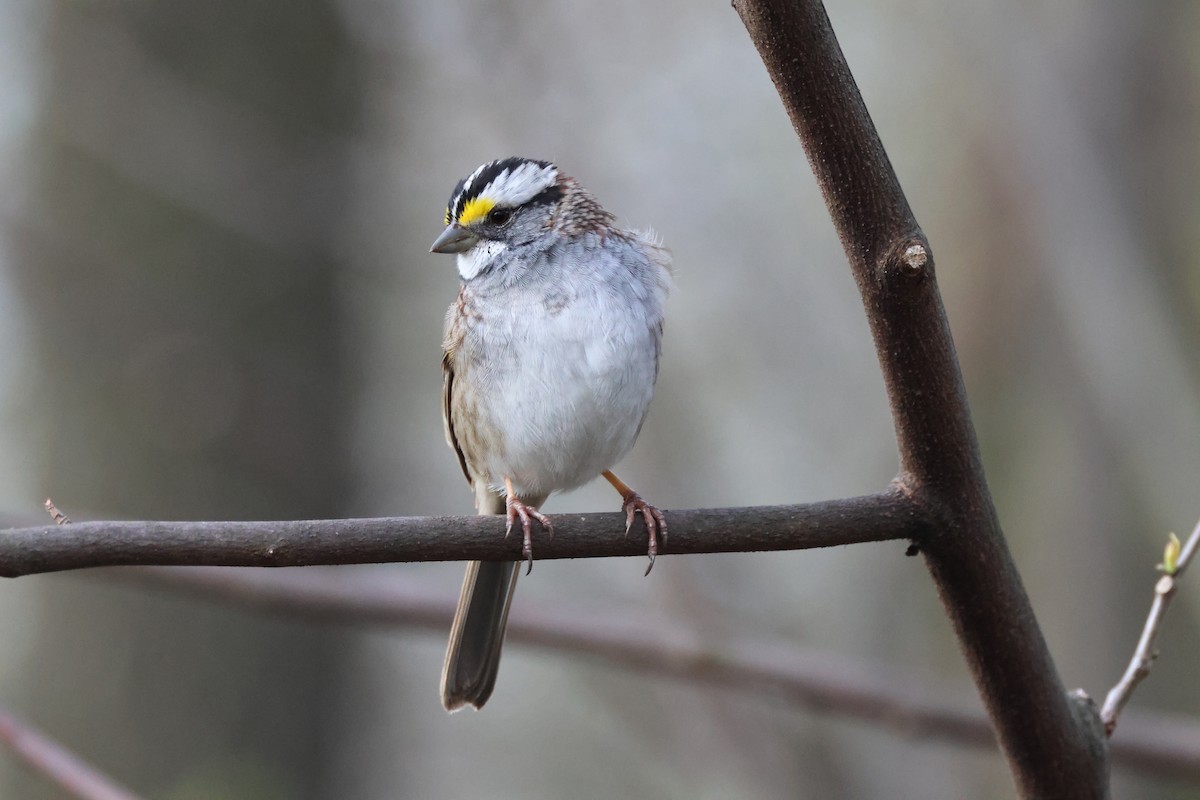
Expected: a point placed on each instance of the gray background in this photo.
(216, 301)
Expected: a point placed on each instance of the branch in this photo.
(846, 688)
(1055, 746)
(26, 551)
(1144, 654)
(58, 764)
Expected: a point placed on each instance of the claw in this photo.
(514, 509)
(656, 524)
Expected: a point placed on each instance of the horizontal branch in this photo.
(1160, 746)
(26, 551)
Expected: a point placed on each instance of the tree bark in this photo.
(26, 551)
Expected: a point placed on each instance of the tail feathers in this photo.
(473, 656)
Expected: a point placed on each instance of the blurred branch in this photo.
(26, 551)
(1174, 563)
(841, 687)
(57, 763)
(1055, 744)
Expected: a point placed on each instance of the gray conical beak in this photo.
(455, 239)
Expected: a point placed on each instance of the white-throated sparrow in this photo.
(551, 354)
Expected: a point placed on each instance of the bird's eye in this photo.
(499, 216)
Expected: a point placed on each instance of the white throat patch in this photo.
(472, 262)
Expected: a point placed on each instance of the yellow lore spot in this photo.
(475, 210)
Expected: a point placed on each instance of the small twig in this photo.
(57, 763)
(1139, 667)
(56, 515)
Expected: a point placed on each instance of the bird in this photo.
(550, 358)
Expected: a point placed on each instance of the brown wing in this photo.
(447, 405)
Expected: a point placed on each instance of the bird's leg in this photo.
(656, 523)
(515, 508)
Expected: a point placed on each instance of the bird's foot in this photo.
(515, 510)
(656, 523)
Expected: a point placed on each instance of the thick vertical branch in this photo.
(1054, 744)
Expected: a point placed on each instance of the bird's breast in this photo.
(564, 377)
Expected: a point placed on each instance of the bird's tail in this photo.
(473, 655)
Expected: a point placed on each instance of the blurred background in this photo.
(216, 302)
